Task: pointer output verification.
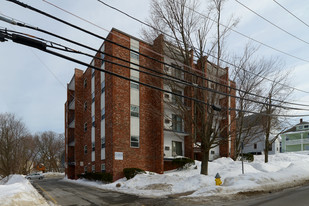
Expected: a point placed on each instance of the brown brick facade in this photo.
(150, 153)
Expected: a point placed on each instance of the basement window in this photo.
(103, 167)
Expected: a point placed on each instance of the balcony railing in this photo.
(72, 121)
(72, 104)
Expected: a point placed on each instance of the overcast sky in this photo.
(33, 83)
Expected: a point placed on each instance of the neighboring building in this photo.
(296, 138)
(254, 136)
(112, 123)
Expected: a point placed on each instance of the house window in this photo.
(166, 96)
(85, 169)
(103, 167)
(85, 127)
(167, 148)
(93, 168)
(134, 85)
(306, 126)
(85, 106)
(92, 97)
(103, 113)
(103, 87)
(134, 111)
(103, 142)
(212, 152)
(270, 148)
(177, 123)
(254, 146)
(167, 121)
(85, 83)
(93, 121)
(92, 73)
(85, 149)
(176, 148)
(134, 141)
(93, 146)
(176, 98)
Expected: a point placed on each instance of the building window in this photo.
(166, 96)
(103, 113)
(177, 71)
(102, 57)
(176, 98)
(134, 56)
(85, 149)
(92, 73)
(177, 123)
(103, 87)
(92, 96)
(254, 146)
(85, 83)
(93, 168)
(93, 146)
(85, 169)
(270, 147)
(134, 85)
(134, 141)
(176, 148)
(93, 121)
(103, 167)
(103, 142)
(85, 127)
(85, 106)
(212, 152)
(167, 121)
(306, 126)
(167, 148)
(134, 111)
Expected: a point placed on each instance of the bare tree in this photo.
(278, 90)
(189, 37)
(12, 132)
(50, 150)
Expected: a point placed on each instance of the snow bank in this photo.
(283, 170)
(16, 190)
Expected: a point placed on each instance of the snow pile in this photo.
(16, 190)
(282, 170)
(53, 174)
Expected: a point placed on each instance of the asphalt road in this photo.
(58, 192)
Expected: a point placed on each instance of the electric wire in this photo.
(182, 69)
(142, 83)
(180, 81)
(134, 18)
(273, 24)
(291, 13)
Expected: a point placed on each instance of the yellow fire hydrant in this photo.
(218, 180)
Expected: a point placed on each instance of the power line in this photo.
(42, 46)
(133, 50)
(273, 24)
(183, 64)
(134, 18)
(65, 48)
(291, 13)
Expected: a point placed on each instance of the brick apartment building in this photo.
(112, 123)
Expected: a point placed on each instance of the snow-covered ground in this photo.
(16, 190)
(283, 170)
